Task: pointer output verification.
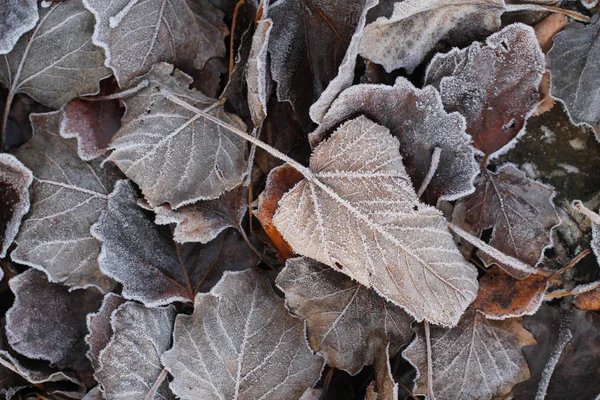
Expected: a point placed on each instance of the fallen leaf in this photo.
(577, 374)
(48, 322)
(93, 123)
(502, 296)
(346, 322)
(151, 267)
(94, 394)
(204, 220)
(383, 387)
(99, 329)
(134, 37)
(495, 87)
(141, 336)
(478, 359)
(173, 154)
(11, 382)
(34, 372)
(279, 181)
(575, 79)
(15, 180)
(257, 70)
(67, 197)
(417, 119)
(359, 211)
(520, 211)
(588, 300)
(546, 29)
(17, 18)
(56, 61)
(240, 342)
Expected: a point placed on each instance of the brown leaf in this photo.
(588, 300)
(502, 296)
(15, 180)
(478, 359)
(548, 27)
(152, 268)
(346, 322)
(99, 328)
(520, 211)
(383, 387)
(495, 86)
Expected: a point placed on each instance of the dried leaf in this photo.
(588, 300)
(520, 210)
(360, 211)
(99, 329)
(575, 81)
(152, 268)
(497, 101)
(478, 359)
(33, 371)
(258, 90)
(173, 154)
(141, 336)
(546, 29)
(383, 387)
(421, 126)
(11, 383)
(240, 343)
(595, 220)
(56, 61)
(136, 36)
(94, 394)
(67, 197)
(416, 26)
(16, 18)
(502, 296)
(15, 180)
(204, 220)
(48, 322)
(347, 322)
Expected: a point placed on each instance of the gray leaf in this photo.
(573, 63)
(130, 365)
(240, 343)
(99, 329)
(257, 73)
(67, 197)
(346, 321)
(173, 154)
(56, 61)
(16, 18)
(360, 212)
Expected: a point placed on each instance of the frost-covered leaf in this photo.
(93, 123)
(204, 220)
(595, 221)
(173, 154)
(152, 268)
(16, 18)
(573, 62)
(383, 387)
(33, 371)
(94, 394)
(57, 60)
(240, 343)
(130, 365)
(360, 212)
(257, 73)
(478, 359)
(520, 211)
(67, 197)
(416, 26)
(48, 322)
(495, 86)
(15, 180)
(502, 296)
(346, 322)
(99, 329)
(136, 36)
(417, 119)
(10, 383)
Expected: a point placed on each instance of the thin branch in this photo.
(232, 34)
(573, 292)
(574, 261)
(433, 166)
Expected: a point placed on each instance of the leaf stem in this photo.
(9, 100)
(429, 362)
(570, 264)
(435, 161)
(236, 11)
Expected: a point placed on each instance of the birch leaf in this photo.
(173, 154)
(360, 212)
(478, 359)
(136, 36)
(496, 88)
(15, 180)
(416, 26)
(418, 120)
(520, 211)
(573, 61)
(16, 18)
(346, 321)
(57, 60)
(240, 343)
(141, 335)
(48, 322)
(67, 197)
(99, 329)
(152, 268)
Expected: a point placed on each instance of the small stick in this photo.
(429, 362)
(572, 263)
(154, 389)
(575, 291)
(232, 34)
(435, 161)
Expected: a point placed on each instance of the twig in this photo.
(572, 263)
(435, 161)
(154, 389)
(232, 34)
(575, 291)
(429, 362)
